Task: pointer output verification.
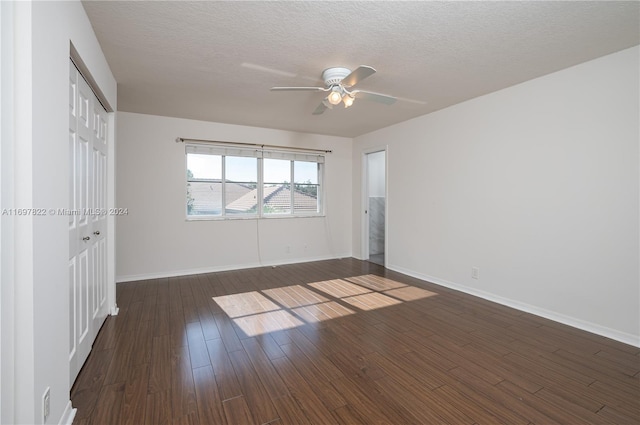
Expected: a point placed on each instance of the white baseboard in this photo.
(68, 415)
(547, 314)
(186, 272)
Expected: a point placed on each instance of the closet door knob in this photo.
(86, 238)
(97, 233)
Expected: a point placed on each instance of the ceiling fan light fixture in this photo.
(338, 86)
(335, 96)
(348, 100)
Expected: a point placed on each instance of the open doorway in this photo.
(376, 190)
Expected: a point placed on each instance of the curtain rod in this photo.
(183, 139)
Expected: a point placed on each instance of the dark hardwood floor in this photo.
(345, 342)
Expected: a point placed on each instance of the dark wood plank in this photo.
(183, 397)
(160, 368)
(135, 396)
(311, 373)
(289, 411)
(236, 411)
(158, 408)
(557, 415)
(264, 369)
(346, 416)
(87, 388)
(414, 401)
(142, 344)
(303, 394)
(197, 346)
(107, 409)
(223, 369)
(119, 365)
(366, 399)
(161, 320)
(210, 410)
(253, 390)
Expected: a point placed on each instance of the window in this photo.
(276, 192)
(230, 182)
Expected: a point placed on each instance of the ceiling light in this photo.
(335, 96)
(326, 103)
(348, 100)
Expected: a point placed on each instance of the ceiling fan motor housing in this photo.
(333, 76)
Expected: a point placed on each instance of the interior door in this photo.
(86, 219)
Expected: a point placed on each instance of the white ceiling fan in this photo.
(338, 82)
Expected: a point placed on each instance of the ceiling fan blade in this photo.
(320, 109)
(298, 89)
(358, 74)
(375, 97)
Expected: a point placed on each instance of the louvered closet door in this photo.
(86, 219)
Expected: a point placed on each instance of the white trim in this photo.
(527, 308)
(7, 184)
(271, 216)
(68, 415)
(364, 199)
(186, 272)
(111, 220)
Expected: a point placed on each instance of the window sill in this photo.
(253, 217)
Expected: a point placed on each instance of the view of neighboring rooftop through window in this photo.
(250, 185)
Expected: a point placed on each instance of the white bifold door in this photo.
(87, 218)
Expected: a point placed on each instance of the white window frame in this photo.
(224, 149)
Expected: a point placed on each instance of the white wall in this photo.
(43, 31)
(376, 169)
(537, 185)
(155, 239)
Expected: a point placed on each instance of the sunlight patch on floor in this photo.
(287, 307)
(272, 321)
(294, 296)
(410, 293)
(339, 288)
(371, 301)
(321, 312)
(377, 283)
(245, 304)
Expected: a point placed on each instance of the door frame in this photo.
(364, 201)
(8, 326)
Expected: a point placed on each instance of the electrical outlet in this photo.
(46, 405)
(475, 272)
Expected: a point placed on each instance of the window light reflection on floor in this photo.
(339, 288)
(377, 283)
(287, 307)
(245, 304)
(371, 301)
(409, 293)
(322, 312)
(262, 323)
(294, 296)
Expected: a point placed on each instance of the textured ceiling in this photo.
(216, 60)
